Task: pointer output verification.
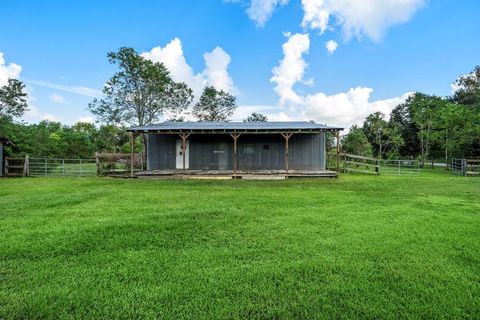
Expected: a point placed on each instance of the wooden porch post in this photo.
(184, 137)
(132, 149)
(235, 136)
(287, 137)
(338, 150)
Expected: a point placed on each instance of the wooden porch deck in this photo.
(241, 174)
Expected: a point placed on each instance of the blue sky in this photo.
(385, 49)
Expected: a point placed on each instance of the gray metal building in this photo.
(235, 148)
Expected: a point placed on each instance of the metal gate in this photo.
(400, 167)
(61, 167)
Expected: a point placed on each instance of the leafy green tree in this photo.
(140, 92)
(424, 112)
(256, 117)
(468, 92)
(214, 105)
(13, 99)
(111, 138)
(383, 137)
(356, 142)
(401, 118)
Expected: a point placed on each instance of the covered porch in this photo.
(277, 150)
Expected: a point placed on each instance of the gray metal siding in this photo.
(255, 152)
(258, 152)
(161, 151)
(211, 152)
(307, 152)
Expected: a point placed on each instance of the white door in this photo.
(179, 154)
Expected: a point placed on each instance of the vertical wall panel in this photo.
(261, 152)
(255, 152)
(161, 151)
(211, 152)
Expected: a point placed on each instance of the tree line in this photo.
(141, 92)
(424, 127)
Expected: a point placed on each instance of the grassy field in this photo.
(354, 247)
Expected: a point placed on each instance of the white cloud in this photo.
(342, 109)
(244, 111)
(172, 57)
(7, 71)
(291, 69)
(331, 46)
(13, 70)
(454, 87)
(261, 10)
(55, 97)
(215, 72)
(315, 16)
(84, 91)
(216, 69)
(357, 18)
(86, 119)
(348, 108)
(33, 114)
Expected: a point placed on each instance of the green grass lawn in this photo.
(354, 247)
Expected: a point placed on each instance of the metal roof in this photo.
(300, 126)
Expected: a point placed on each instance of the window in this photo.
(266, 147)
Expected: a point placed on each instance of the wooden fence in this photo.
(361, 164)
(118, 164)
(354, 163)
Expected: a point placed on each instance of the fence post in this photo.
(26, 165)
(97, 163)
(464, 167)
(45, 167)
(6, 167)
(399, 170)
(80, 170)
(63, 167)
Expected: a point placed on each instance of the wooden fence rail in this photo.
(368, 165)
(355, 163)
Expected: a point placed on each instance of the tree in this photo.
(468, 92)
(256, 117)
(140, 92)
(356, 142)
(424, 111)
(110, 138)
(381, 135)
(401, 118)
(13, 99)
(214, 105)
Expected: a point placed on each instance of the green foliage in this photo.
(356, 142)
(256, 117)
(140, 92)
(214, 105)
(401, 118)
(358, 247)
(13, 99)
(468, 92)
(383, 137)
(54, 140)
